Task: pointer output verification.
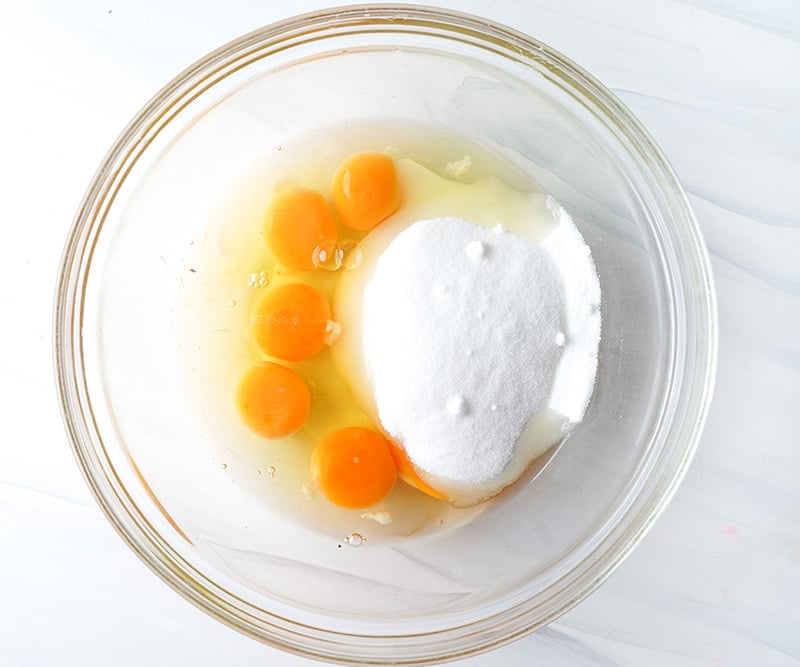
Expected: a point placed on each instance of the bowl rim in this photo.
(76, 404)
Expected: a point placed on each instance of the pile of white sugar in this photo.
(469, 332)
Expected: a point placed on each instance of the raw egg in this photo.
(353, 467)
(291, 321)
(273, 400)
(297, 223)
(365, 190)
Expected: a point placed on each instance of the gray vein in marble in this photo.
(789, 285)
(273, 575)
(575, 646)
(646, 647)
(782, 24)
(755, 214)
(733, 180)
(738, 621)
(46, 495)
(733, 113)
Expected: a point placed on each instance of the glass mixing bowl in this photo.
(154, 466)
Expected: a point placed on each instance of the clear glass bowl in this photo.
(533, 553)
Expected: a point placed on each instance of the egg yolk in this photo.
(353, 467)
(364, 190)
(290, 321)
(273, 400)
(297, 222)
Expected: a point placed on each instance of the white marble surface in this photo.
(717, 82)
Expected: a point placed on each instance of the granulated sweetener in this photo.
(468, 332)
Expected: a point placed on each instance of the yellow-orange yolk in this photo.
(296, 223)
(364, 190)
(290, 322)
(273, 400)
(353, 467)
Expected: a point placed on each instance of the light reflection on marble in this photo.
(716, 82)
